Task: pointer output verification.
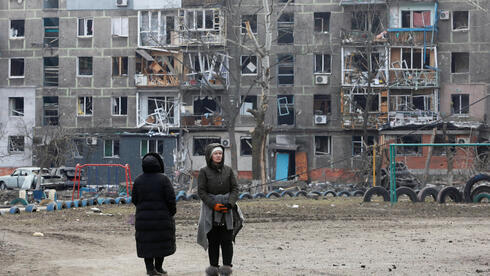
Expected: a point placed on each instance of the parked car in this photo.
(66, 175)
(22, 178)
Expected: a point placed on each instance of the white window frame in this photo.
(84, 111)
(194, 23)
(11, 110)
(361, 142)
(460, 30)
(120, 26)
(116, 101)
(119, 62)
(323, 64)
(411, 17)
(10, 68)
(85, 26)
(245, 138)
(161, 26)
(148, 142)
(78, 68)
(249, 61)
(11, 33)
(323, 22)
(329, 145)
(460, 99)
(397, 98)
(112, 142)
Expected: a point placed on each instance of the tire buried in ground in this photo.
(427, 191)
(274, 194)
(358, 193)
(259, 195)
(344, 193)
(245, 196)
(450, 192)
(479, 190)
(329, 192)
(287, 193)
(406, 191)
(379, 191)
(298, 193)
(469, 185)
(480, 197)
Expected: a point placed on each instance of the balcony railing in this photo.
(356, 121)
(414, 36)
(201, 120)
(156, 80)
(362, 37)
(416, 117)
(414, 78)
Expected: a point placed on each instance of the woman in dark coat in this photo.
(154, 198)
(218, 190)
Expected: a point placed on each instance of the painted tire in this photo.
(245, 196)
(110, 201)
(298, 193)
(450, 192)
(120, 200)
(68, 204)
(343, 193)
(480, 197)
(180, 193)
(259, 195)
(289, 193)
(316, 193)
(90, 201)
(192, 197)
(61, 205)
(480, 190)
(427, 191)
(329, 192)
(31, 208)
(19, 200)
(76, 203)
(379, 191)
(408, 192)
(469, 185)
(51, 207)
(180, 197)
(14, 210)
(275, 194)
(100, 201)
(83, 203)
(358, 193)
(128, 200)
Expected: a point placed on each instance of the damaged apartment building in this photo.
(127, 77)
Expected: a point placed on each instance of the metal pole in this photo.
(374, 165)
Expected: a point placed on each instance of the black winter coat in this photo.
(154, 198)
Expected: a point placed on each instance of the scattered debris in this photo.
(38, 234)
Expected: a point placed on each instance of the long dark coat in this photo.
(154, 198)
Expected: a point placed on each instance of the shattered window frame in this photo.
(199, 144)
(17, 29)
(155, 34)
(16, 106)
(359, 101)
(50, 110)
(245, 60)
(358, 144)
(323, 145)
(85, 66)
(409, 15)
(286, 114)
(167, 103)
(285, 29)
(249, 101)
(457, 25)
(50, 71)
(84, 106)
(16, 68)
(85, 27)
(16, 144)
(460, 104)
(325, 66)
(120, 106)
(152, 145)
(120, 66)
(245, 146)
(400, 102)
(322, 104)
(111, 148)
(409, 150)
(199, 109)
(252, 19)
(51, 31)
(285, 70)
(319, 19)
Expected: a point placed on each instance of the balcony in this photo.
(414, 78)
(157, 69)
(356, 121)
(420, 36)
(416, 117)
(361, 2)
(156, 80)
(202, 120)
(362, 37)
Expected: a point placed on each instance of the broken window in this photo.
(17, 28)
(285, 70)
(119, 105)
(285, 28)
(16, 144)
(359, 102)
(147, 146)
(200, 143)
(323, 145)
(16, 106)
(460, 20)
(252, 20)
(400, 103)
(422, 102)
(84, 106)
(245, 146)
(410, 58)
(120, 26)
(359, 21)
(156, 28)
(460, 103)
(322, 63)
(50, 110)
(322, 22)
(460, 62)
(416, 19)
(440, 139)
(161, 105)
(321, 104)
(111, 148)
(85, 66)
(285, 110)
(119, 66)
(51, 70)
(51, 32)
(85, 27)
(50, 4)
(409, 150)
(78, 148)
(16, 69)
(205, 106)
(249, 65)
(358, 144)
(200, 19)
(248, 102)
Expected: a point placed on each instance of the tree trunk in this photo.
(449, 156)
(429, 155)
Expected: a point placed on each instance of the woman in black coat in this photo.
(154, 198)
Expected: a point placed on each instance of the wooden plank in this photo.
(302, 166)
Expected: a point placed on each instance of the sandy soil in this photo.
(335, 236)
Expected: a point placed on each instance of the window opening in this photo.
(249, 65)
(460, 20)
(16, 144)
(16, 69)
(285, 28)
(205, 106)
(50, 4)
(249, 102)
(359, 102)
(200, 143)
(460, 62)
(51, 32)
(120, 26)
(17, 28)
(50, 110)
(85, 27)
(285, 70)
(111, 148)
(51, 70)
(119, 105)
(409, 150)
(245, 146)
(16, 106)
(321, 104)
(322, 22)
(84, 106)
(119, 66)
(358, 144)
(322, 63)
(161, 104)
(252, 20)
(415, 19)
(285, 110)
(152, 145)
(460, 103)
(323, 145)
(85, 66)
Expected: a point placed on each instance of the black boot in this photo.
(161, 271)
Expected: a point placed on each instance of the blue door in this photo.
(282, 166)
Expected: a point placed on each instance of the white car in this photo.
(22, 178)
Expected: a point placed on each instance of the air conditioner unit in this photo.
(122, 3)
(225, 143)
(444, 15)
(321, 79)
(140, 80)
(320, 119)
(92, 141)
(463, 140)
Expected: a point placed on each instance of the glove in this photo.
(229, 206)
(220, 208)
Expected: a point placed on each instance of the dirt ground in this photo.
(334, 236)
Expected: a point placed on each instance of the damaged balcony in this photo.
(158, 29)
(208, 70)
(201, 26)
(360, 68)
(412, 67)
(157, 113)
(413, 107)
(158, 68)
(205, 112)
(354, 103)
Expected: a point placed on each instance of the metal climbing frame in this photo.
(78, 170)
(393, 198)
